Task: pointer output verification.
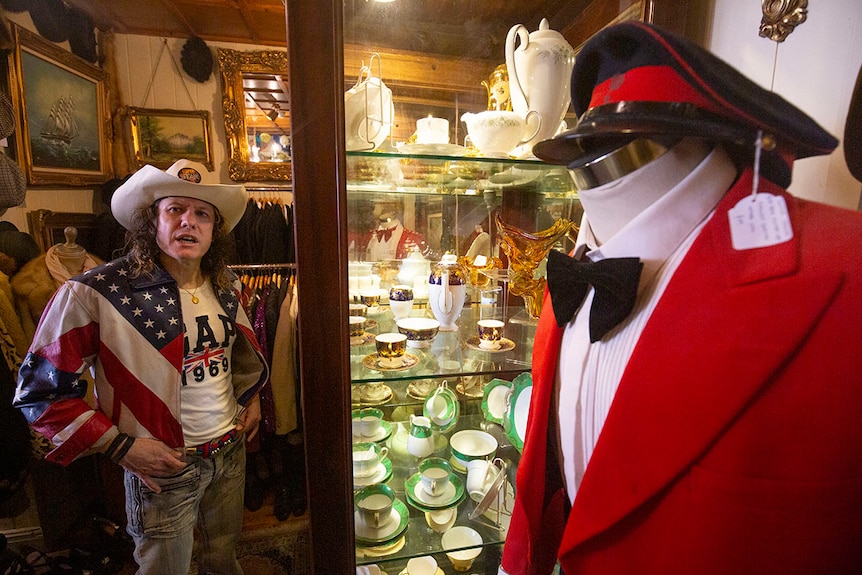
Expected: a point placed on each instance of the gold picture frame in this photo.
(240, 72)
(63, 134)
(161, 137)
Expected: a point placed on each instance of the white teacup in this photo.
(367, 421)
(374, 504)
(461, 537)
(441, 520)
(481, 474)
(425, 565)
(366, 457)
(435, 473)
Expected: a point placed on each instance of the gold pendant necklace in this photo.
(195, 299)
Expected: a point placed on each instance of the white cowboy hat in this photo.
(184, 179)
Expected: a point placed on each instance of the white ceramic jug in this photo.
(447, 290)
(420, 442)
(540, 71)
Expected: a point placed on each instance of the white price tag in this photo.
(758, 221)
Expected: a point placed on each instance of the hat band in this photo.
(652, 84)
(616, 164)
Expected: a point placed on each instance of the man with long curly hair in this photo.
(177, 369)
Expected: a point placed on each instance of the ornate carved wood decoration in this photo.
(241, 109)
(781, 17)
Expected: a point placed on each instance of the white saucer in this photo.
(433, 149)
(382, 533)
(382, 433)
(380, 473)
(422, 496)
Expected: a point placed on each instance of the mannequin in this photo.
(68, 259)
(710, 428)
(39, 278)
(612, 205)
(391, 240)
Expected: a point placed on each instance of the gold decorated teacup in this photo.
(359, 309)
(356, 324)
(391, 348)
(490, 333)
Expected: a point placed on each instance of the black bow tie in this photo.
(614, 279)
(384, 235)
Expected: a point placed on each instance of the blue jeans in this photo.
(207, 493)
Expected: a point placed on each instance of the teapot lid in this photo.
(416, 256)
(545, 31)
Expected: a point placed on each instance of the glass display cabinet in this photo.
(393, 189)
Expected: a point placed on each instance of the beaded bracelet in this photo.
(121, 452)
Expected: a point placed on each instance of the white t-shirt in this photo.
(207, 403)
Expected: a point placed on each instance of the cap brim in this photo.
(618, 124)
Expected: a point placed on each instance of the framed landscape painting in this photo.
(62, 136)
(161, 137)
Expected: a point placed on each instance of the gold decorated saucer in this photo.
(364, 339)
(505, 345)
(374, 361)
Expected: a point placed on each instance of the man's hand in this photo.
(150, 458)
(249, 418)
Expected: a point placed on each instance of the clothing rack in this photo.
(265, 267)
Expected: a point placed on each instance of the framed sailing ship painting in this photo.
(63, 118)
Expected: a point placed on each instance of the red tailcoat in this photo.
(734, 441)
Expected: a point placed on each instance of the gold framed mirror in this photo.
(256, 107)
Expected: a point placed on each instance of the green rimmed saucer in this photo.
(515, 422)
(382, 434)
(370, 537)
(381, 475)
(495, 400)
(417, 497)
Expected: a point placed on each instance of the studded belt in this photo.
(210, 448)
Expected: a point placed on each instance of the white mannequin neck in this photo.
(611, 206)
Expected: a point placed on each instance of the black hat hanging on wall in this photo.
(197, 59)
(50, 19)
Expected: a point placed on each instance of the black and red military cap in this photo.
(634, 80)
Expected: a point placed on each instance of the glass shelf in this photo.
(454, 175)
(419, 537)
(450, 353)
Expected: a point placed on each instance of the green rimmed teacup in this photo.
(374, 504)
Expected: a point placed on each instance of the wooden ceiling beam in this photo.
(248, 18)
(172, 8)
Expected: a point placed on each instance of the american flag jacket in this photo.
(129, 332)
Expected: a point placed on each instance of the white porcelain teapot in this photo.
(540, 71)
(447, 290)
